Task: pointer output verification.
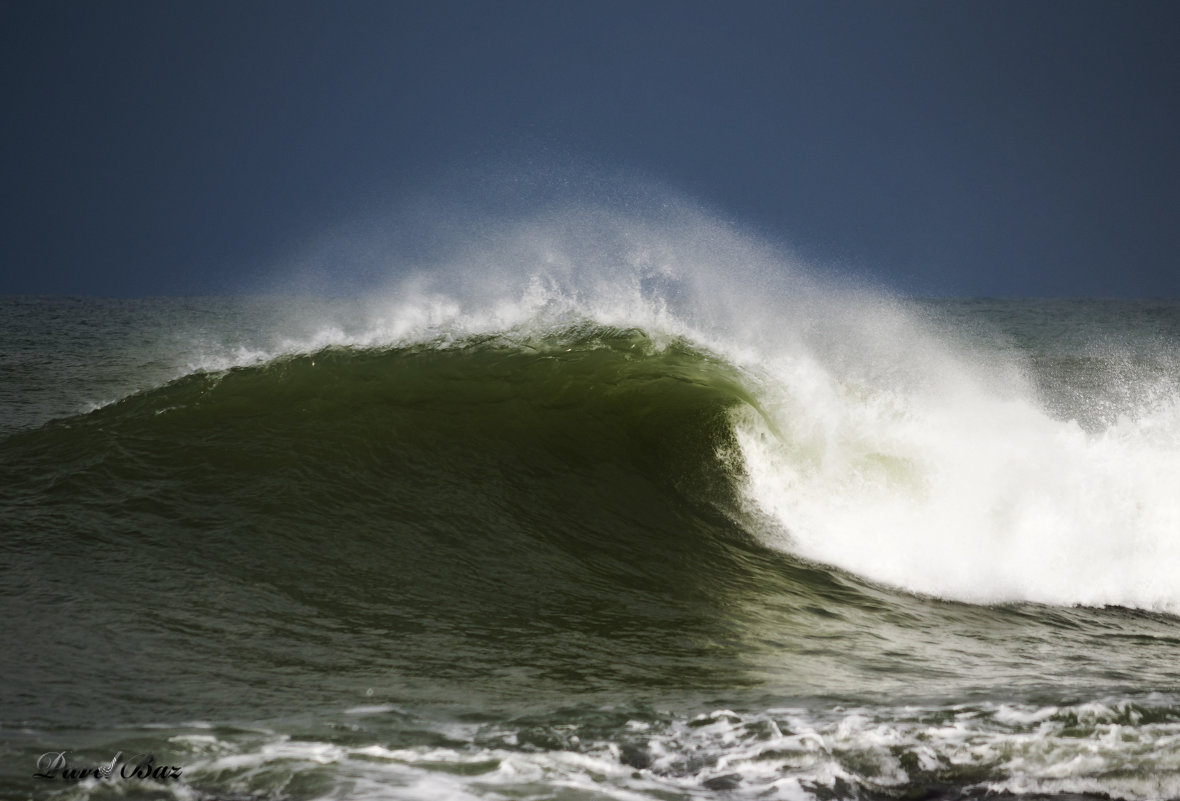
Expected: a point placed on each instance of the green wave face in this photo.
(413, 444)
(561, 506)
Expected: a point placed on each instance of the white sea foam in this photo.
(952, 487)
(1100, 747)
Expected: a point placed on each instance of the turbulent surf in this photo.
(594, 508)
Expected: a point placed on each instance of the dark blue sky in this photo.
(951, 148)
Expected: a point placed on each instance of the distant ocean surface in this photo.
(660, 533)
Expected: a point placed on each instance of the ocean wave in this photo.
(839, 451)
(840, 426)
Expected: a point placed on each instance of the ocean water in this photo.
(592, 511)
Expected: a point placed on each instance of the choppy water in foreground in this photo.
(587, 548)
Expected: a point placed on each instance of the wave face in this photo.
(624, 507)
(568, 470)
